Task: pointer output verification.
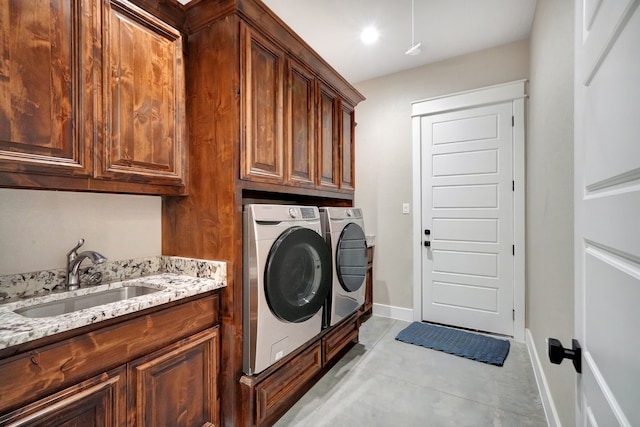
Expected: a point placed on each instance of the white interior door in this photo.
(467, 211)
(607, 211)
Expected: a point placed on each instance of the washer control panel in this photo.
(308, 213)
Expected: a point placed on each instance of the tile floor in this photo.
(384, 382)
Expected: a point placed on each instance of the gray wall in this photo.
(383, 152)
(38, 228)
(550, 193)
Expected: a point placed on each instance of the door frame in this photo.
(514, 92)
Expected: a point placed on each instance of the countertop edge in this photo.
(16, 329)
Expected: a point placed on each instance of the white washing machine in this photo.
(286, 281)
(343, 229)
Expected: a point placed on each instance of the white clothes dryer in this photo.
(343, 229)
(286, 281)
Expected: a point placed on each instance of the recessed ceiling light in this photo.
(369, 35)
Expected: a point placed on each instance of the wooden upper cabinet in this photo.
(328, 152)
(262, 87)
(347, 148)
(293, 125)
(45, 79)
(300, 125)
(143, 98)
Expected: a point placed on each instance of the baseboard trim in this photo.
(398, 313)
(543, 387)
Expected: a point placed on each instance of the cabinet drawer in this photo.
(341, 337)
(272, 393)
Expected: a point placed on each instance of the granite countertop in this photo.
(175, 279)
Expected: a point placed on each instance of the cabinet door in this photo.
(347, 147)
(262, 82)
(45, 69)
(143, 97)
(274, 394)
(176, 386)
(96, 402)
(299, 125)
(327, 154)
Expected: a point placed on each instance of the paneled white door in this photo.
(467, 218)
(607, 211)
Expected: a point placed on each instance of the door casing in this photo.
(508, 92)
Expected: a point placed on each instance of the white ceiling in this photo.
(445, 28)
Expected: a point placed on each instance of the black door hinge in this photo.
(513, 186)
(513, 314)
(513, 248)
(513, 121)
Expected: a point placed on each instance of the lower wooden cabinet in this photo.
(340, 338)
(176, 386)
(269, 394)
(161, 369)
(96, 402)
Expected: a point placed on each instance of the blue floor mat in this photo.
(454, 341)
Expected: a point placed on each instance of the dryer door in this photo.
(297, 276)
(351, 257)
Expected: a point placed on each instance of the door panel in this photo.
(300, 125)
(96, 402)
(462, 229)
(465, 197)
(469, 263)
(347, 173)
(607, 208)
(468, 208)
(467, 129)
(143, 93)
(177, 385)
(460, 295)
(262, 89)
(46, 115)
(469, 163)
(327, 141)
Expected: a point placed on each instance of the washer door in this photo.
(351, 257)
(297, 276)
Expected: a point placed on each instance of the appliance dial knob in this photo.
(293, 213)
(349, 213)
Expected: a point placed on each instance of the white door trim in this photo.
(515, 92)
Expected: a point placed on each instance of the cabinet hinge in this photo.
(513, 186)
(513, 121)
(513, 314)
(513, 249)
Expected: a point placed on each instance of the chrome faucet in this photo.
(74, 259)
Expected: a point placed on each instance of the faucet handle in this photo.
(71, 255)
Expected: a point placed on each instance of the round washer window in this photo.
(351, 257)
(297, 276)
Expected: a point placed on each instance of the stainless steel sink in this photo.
(69, 305)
